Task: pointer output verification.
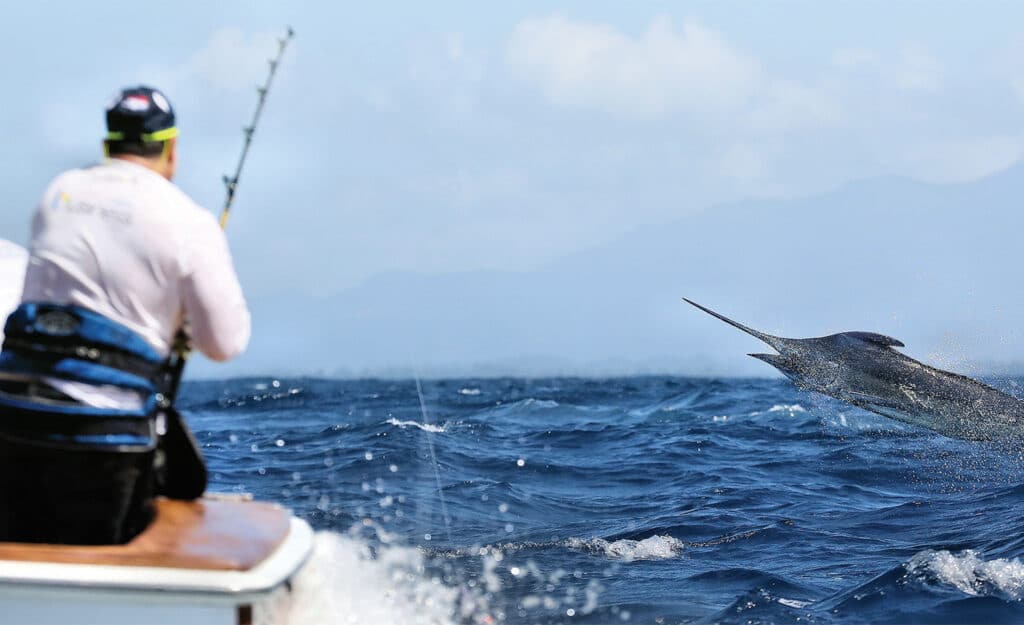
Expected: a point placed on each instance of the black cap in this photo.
(140, 114)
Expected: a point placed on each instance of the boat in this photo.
(213, 561)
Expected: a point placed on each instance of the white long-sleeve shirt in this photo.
(121, 240)
(12, 272)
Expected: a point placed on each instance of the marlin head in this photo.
(801, 360)
(777, 342)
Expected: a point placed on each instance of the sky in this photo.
(432, 138)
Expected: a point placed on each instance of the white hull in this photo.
(56, 593)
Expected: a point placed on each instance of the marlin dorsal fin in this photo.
(877, 339)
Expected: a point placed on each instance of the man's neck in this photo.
(152, 164)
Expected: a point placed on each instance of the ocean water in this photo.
(635, 500)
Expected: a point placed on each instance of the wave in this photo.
(426, 427)
(774, 600)
(969, 573)
(629, 550)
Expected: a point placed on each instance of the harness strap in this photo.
(49, 348)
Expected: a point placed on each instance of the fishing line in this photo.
(433, 459)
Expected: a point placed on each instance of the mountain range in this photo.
(937, 266)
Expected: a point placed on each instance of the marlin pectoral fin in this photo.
(864, 398)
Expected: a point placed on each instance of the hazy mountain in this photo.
(937, 266)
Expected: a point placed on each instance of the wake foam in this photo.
(348, 581)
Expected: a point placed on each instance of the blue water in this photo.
(640, 500)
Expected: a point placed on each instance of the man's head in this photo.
(140, 128)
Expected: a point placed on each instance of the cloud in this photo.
(1009, 64)
(449, 73)
(665, 69)
(911, 68)
(688, 69)
(233, 60)
(959, 159)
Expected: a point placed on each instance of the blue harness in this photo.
(75, 344)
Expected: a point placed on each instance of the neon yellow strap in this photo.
(159, 135)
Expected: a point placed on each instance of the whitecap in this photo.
(426, 427)
(969, 573)
(650, 548)
(469, 391)
(794, 603)
(538, 403)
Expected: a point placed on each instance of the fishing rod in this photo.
(184, 473)
(231, 182)
(182, 349)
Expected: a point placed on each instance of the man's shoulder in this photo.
(66, 177)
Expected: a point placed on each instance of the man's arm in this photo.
(212, 298)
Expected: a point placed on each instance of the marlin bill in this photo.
(865, 369)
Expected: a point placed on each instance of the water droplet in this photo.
(521, 462)
(570, 612)
(233, 438)
(393, 468)
(426, 537)
(279, 442)
(508, 528)
(503, 508)
(368, 456)
(276, 384)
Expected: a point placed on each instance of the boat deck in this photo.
(208, 534)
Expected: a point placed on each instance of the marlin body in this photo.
(864, 369)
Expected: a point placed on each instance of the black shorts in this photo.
(73, 496)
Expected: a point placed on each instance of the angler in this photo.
(119, 259)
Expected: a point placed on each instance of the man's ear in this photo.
(172, 158)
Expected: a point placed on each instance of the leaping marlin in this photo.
(864, 369)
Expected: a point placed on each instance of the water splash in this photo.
(348, 581)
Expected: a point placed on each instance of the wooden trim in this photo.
(204, 534)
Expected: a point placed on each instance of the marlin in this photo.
(865, 369)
